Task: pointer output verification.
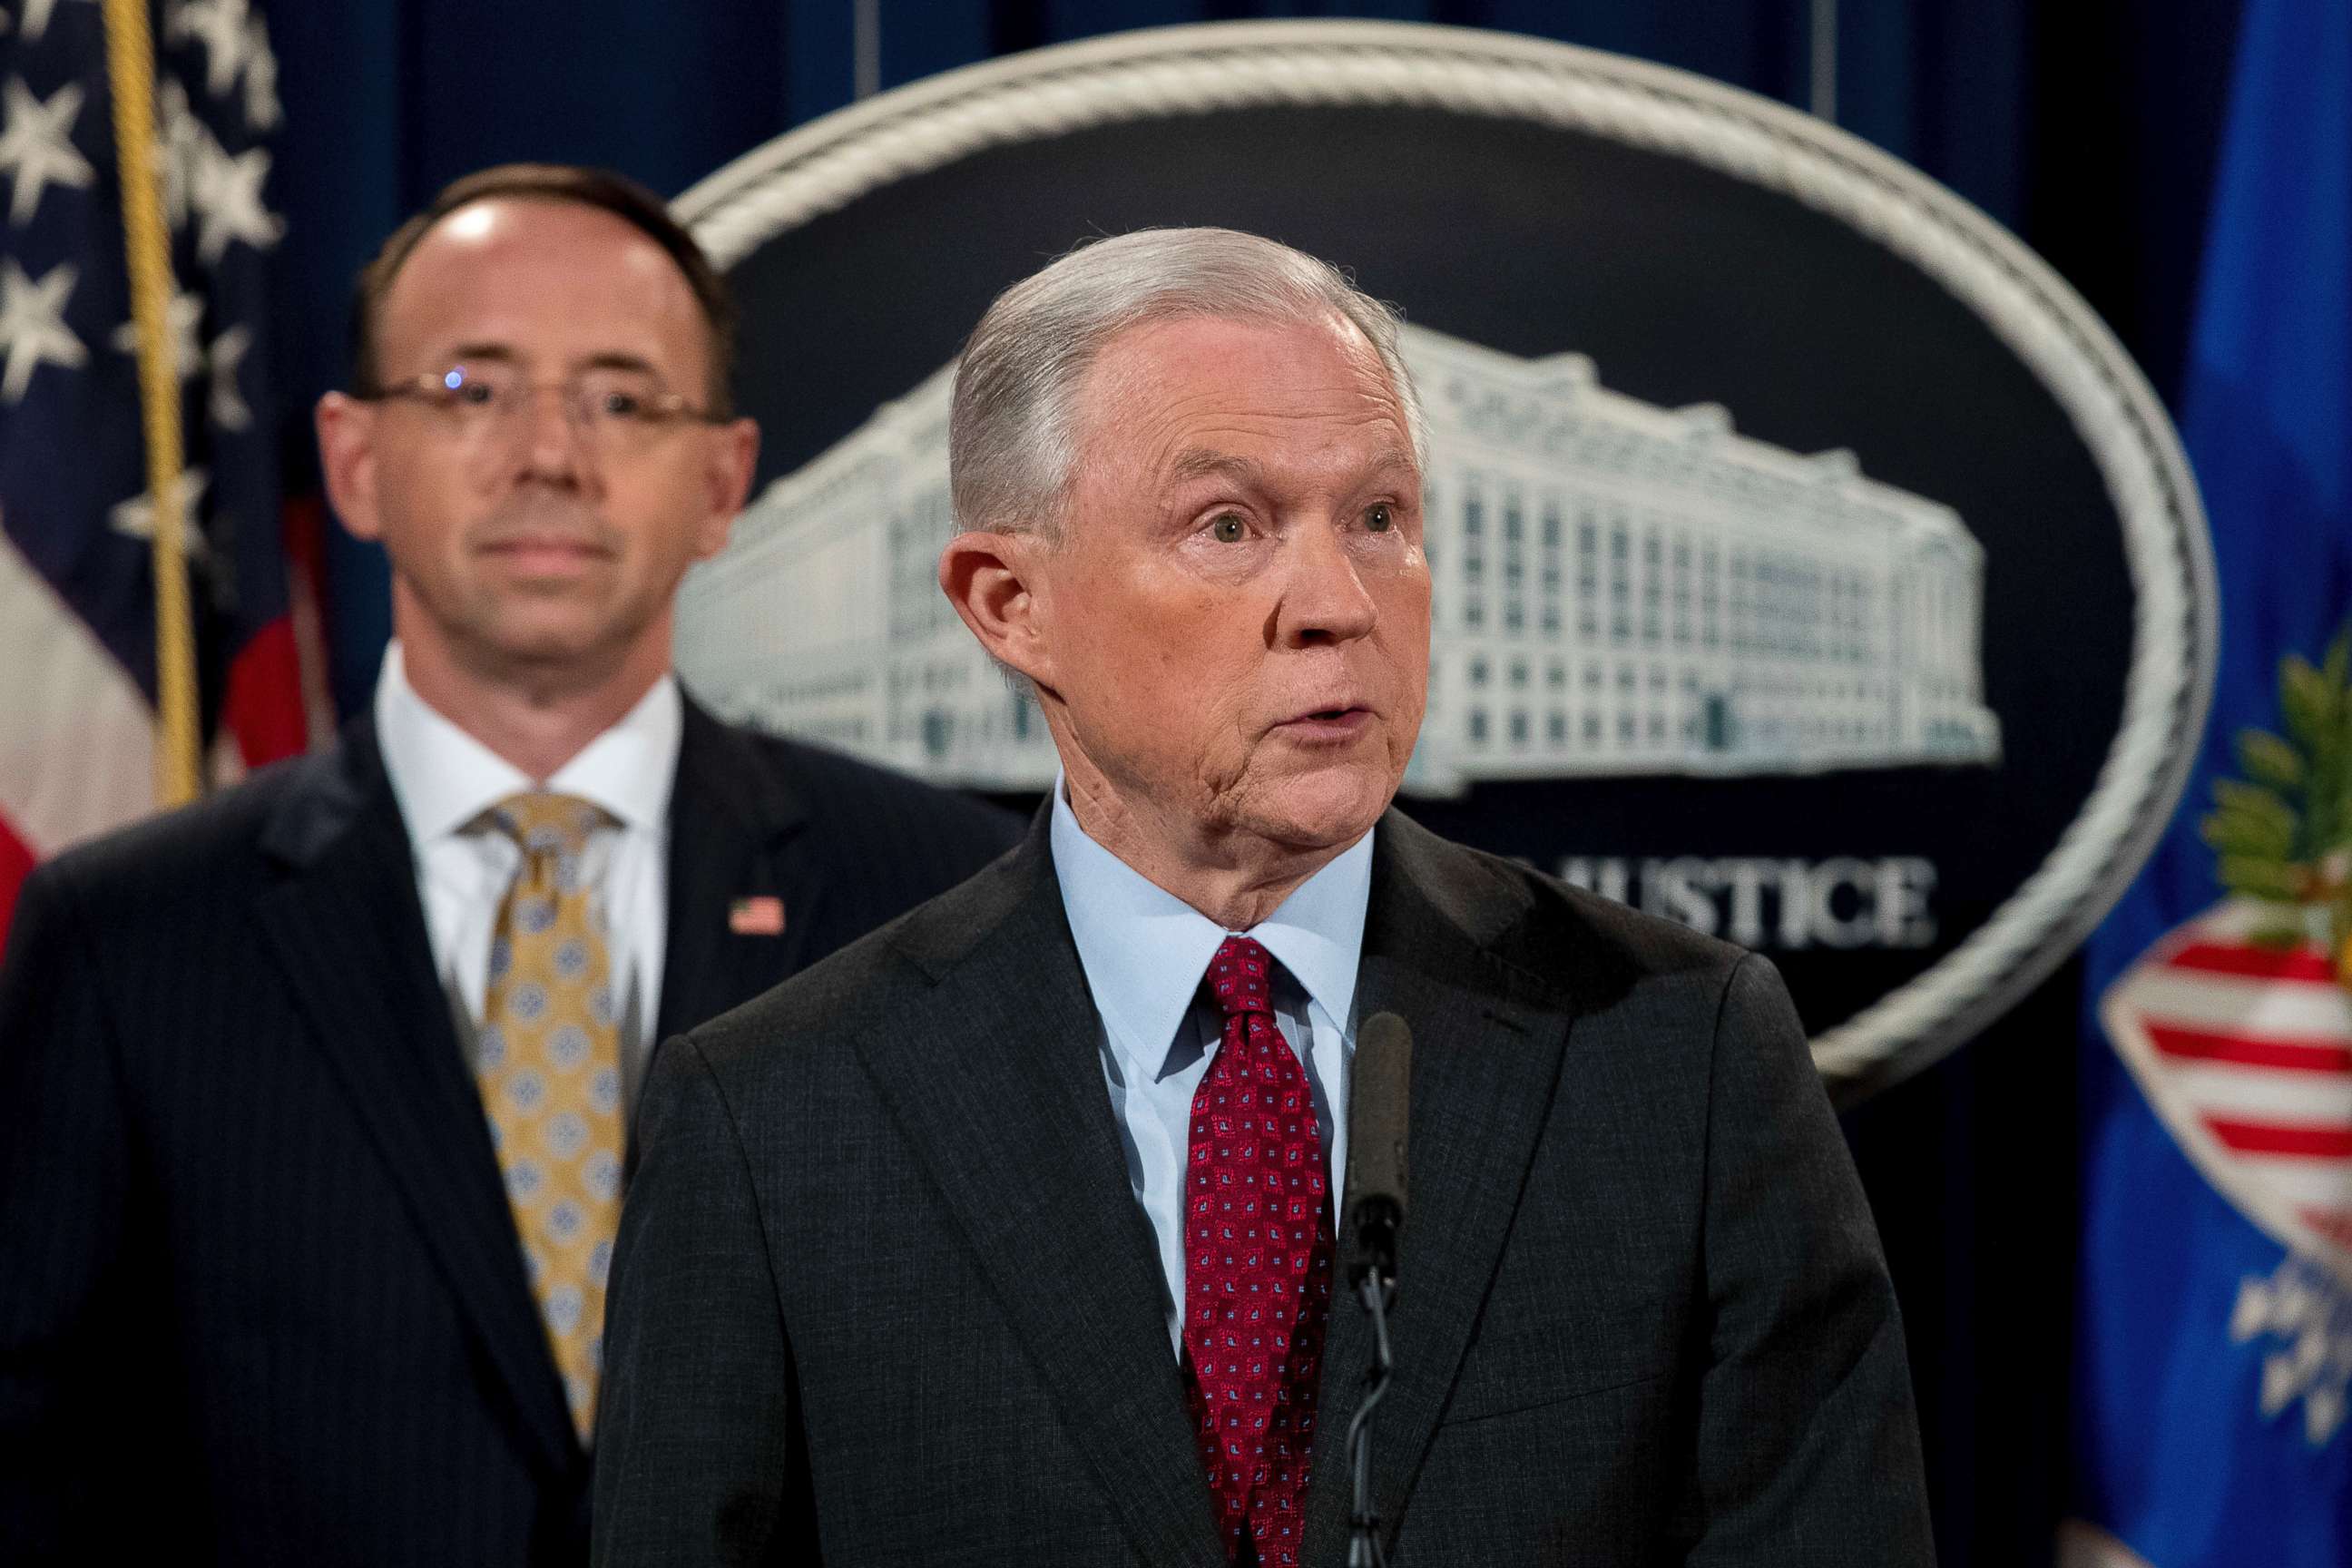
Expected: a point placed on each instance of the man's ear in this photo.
(726, 478)
(346, 426)
(992, 579)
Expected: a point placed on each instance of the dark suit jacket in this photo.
(260, 1295)
(883, 1288)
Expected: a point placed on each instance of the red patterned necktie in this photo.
(1257, 1266)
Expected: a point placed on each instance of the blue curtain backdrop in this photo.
(2089, 129)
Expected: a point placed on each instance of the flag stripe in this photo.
(263, 705)
(2297, 963)
(78, 732)
(2283, 1137)
(2240, 1051)
(2294, 1182)
(16, 865)
(2234, 1005)
(2265, 1094)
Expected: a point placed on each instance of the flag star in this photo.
(33, 329)
(36, 20)
(135, 519)
(220, 27)
(227, 198)
(181, 318)
(37, 144)
(261, 107)
(182, 140)
(228, 406)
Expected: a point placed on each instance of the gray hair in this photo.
(1013, 433)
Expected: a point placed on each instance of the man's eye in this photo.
(1378, 519)
(1229, 530)
(620, 405)
(475, 392)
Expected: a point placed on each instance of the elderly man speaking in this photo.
(1006, 1234)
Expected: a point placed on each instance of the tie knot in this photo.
(544, 823)
(1241, 977)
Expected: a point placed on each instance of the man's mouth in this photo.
(1338, 721)
(545, 551)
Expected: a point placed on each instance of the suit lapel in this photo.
(728, 812)
(345, 924)
(1014, 1123)
(1019, 1107)
(1488, 1042)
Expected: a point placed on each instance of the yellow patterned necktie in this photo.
(548, 1063)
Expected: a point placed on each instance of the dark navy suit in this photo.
(260, 1295)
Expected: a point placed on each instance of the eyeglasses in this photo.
(487, 407)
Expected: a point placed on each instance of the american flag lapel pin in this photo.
(760, 916)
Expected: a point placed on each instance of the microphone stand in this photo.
(1381, 1075)
(1376, 1291)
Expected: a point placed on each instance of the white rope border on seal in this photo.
(1177, 70)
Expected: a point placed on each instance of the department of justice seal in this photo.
(1811, 566)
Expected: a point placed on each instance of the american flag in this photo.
(78, 641)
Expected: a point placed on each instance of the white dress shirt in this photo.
(444, 780)
(1144, 951)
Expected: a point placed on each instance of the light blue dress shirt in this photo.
(1144, 951)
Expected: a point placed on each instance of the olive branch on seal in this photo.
(2284, 832)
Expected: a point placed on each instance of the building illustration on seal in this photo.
(1618, 589)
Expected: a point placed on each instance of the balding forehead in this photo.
(541, 278)
(500, 221)
(474, 252)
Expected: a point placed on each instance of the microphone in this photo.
(1377, 1101)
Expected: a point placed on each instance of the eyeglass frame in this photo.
(432, 390)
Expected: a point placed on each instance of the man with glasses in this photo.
(313, 1100)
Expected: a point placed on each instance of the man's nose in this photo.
(550, 438)
(1326, 599)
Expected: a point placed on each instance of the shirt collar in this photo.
(443, 778)
(1144, 950)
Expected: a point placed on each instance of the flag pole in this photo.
(131, 70)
